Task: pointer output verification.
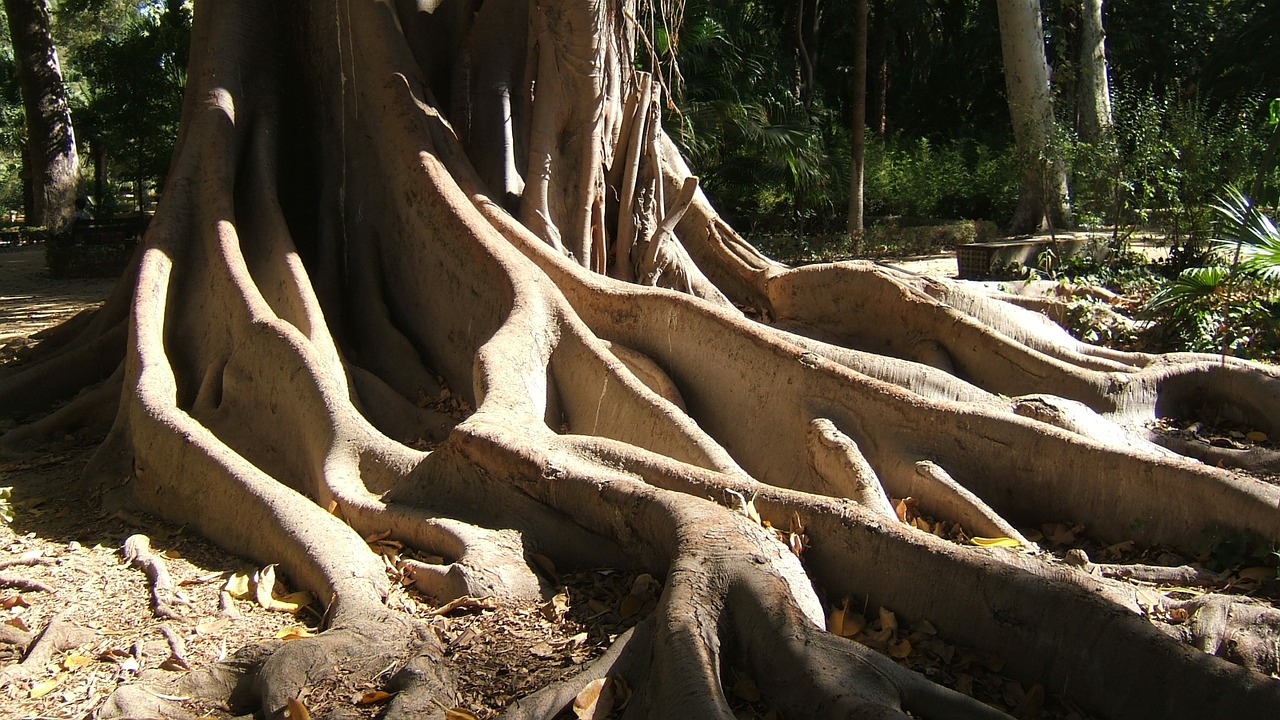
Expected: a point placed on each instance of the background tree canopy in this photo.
(124, 64)
(1190, 81)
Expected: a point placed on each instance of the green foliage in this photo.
(134, 79)
(1232, 304)
(766, 155)
(948, 179)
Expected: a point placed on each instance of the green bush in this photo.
(955, 179)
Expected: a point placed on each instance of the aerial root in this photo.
(262, 678)
(456, 559)
(1243, 632)
(1183, 575)
(803, 671)
(137, 552)
(625, 660)
(57, 636)
(1255, 459)
(836, 458)
(17, 581)
(942, 496)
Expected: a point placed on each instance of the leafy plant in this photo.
(1230, 305)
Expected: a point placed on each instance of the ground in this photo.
(63, 562)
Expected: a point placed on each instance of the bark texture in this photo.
(373, 202)
(52, 163)
(1095, 83)
(1043, 199)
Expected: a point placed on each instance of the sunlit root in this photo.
(837, 460)
(57, 636)
(941, 496)
(1238, 630)
(137, 552)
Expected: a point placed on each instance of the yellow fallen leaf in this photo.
(457, 713)
(293, 632)
(888, 621)
(1256, 436)
(899, 649)
(292, 603)
(374, 696)
(45, 687)
(835, 622)
(172, 554)
(265, 585)
(75, 661)
(595, 701)
(995, 542)
(238, 586)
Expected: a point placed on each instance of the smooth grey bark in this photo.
(51, 145)
(859, 139)
(1094, 96)
(1043, 199)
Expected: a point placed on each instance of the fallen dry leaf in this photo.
(995, 542)
(595, 701)
(75, 661)
(295, 710)
(45, 687)
(899, 649)
(174, 663)
(464, 603)
(746, 689)
(238, 586)
(374, 697)
(293, 632)
(556, 607)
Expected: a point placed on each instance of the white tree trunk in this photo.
(859, 122)
(1095, 86)
(1043, 196)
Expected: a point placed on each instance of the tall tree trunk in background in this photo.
(1043, 198)
(1094, 94)
(51, 146)
(858, 141)
(808, 21)
(881, 56)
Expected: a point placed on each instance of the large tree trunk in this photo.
(338, 240)
(51, 145)
(1094, 94)
(1042, 195)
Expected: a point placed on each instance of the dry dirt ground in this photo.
(77, 620)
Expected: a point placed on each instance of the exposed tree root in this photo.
(370, 246)
(137, 552)
(57, 636)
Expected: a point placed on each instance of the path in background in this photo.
(31, 299)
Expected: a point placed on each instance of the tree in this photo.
(51, 161)
(1042, 194)
(1094, 98)
(328, 257)
(859, 123)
